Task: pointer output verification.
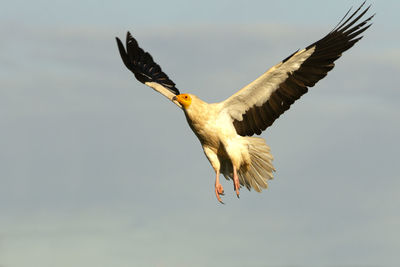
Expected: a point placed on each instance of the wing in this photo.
(145, 69)
(259, 104)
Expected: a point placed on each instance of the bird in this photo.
(225, 129)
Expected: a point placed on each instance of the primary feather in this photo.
(259, 104)
(144, 68)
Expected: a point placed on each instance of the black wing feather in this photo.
(313, 69)
(142, 65)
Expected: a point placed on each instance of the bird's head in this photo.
(184, 99)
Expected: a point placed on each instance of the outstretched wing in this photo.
(145, 69)
(259, 104)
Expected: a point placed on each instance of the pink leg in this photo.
(219, 190)
(236, 183)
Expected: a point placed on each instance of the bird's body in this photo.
(224, 148)
(225, 129)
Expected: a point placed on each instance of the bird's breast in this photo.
(210, 126)
(205, 130)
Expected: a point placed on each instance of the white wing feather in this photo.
(259, 91)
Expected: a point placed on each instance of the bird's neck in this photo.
(197, 113)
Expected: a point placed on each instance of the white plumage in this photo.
(225, 129)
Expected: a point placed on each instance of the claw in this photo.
(219, 190)
(236, 187)
(236, 183)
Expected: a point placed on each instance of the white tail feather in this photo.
(260, 169)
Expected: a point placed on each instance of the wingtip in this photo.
(131, 41)
(123, 53)
(128, 35)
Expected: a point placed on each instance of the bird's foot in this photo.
(219, 191)
(236, 186)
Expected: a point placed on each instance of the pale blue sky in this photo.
(98, 170)
(180, 12)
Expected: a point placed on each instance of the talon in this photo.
(237, 186)
(236, 183)
(219, 190)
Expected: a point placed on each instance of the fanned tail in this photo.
(260, 170)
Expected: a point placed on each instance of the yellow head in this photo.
(184, 99)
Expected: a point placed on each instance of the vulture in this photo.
(225, 129)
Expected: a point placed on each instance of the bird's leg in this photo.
(236, 183)
(219, 190)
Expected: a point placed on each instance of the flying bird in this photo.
(225, 129)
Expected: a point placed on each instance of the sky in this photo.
(96, 169)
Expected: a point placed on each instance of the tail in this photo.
(260, 170)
